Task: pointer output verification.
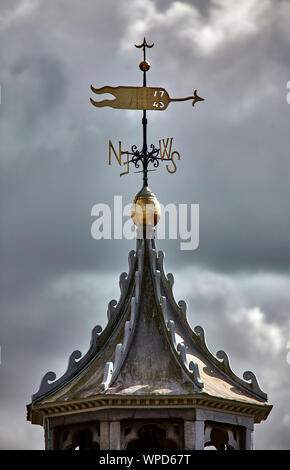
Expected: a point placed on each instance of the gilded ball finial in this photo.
(146, 208)
(144, 65)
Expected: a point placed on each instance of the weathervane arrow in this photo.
(149, 98)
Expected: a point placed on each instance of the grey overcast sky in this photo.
(56, 280)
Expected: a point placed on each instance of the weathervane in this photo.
(142, 98)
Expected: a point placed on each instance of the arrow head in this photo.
(196, 98)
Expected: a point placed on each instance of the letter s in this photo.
(174, 164)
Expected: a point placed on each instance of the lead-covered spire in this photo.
(148, 350)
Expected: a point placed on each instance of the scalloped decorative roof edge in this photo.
(129, 282)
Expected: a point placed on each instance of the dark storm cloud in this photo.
(234, 136)
(56, 280)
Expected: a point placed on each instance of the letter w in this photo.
(149, 459)
(165, 145)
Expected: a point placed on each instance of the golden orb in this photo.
(146, 208)
(144, 65)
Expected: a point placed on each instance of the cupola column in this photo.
(194, 435)
(110, 435)
(249, 438)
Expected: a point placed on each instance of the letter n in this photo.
(118, 157)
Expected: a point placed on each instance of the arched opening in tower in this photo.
(152, 437)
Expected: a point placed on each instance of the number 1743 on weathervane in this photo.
(142, 98)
